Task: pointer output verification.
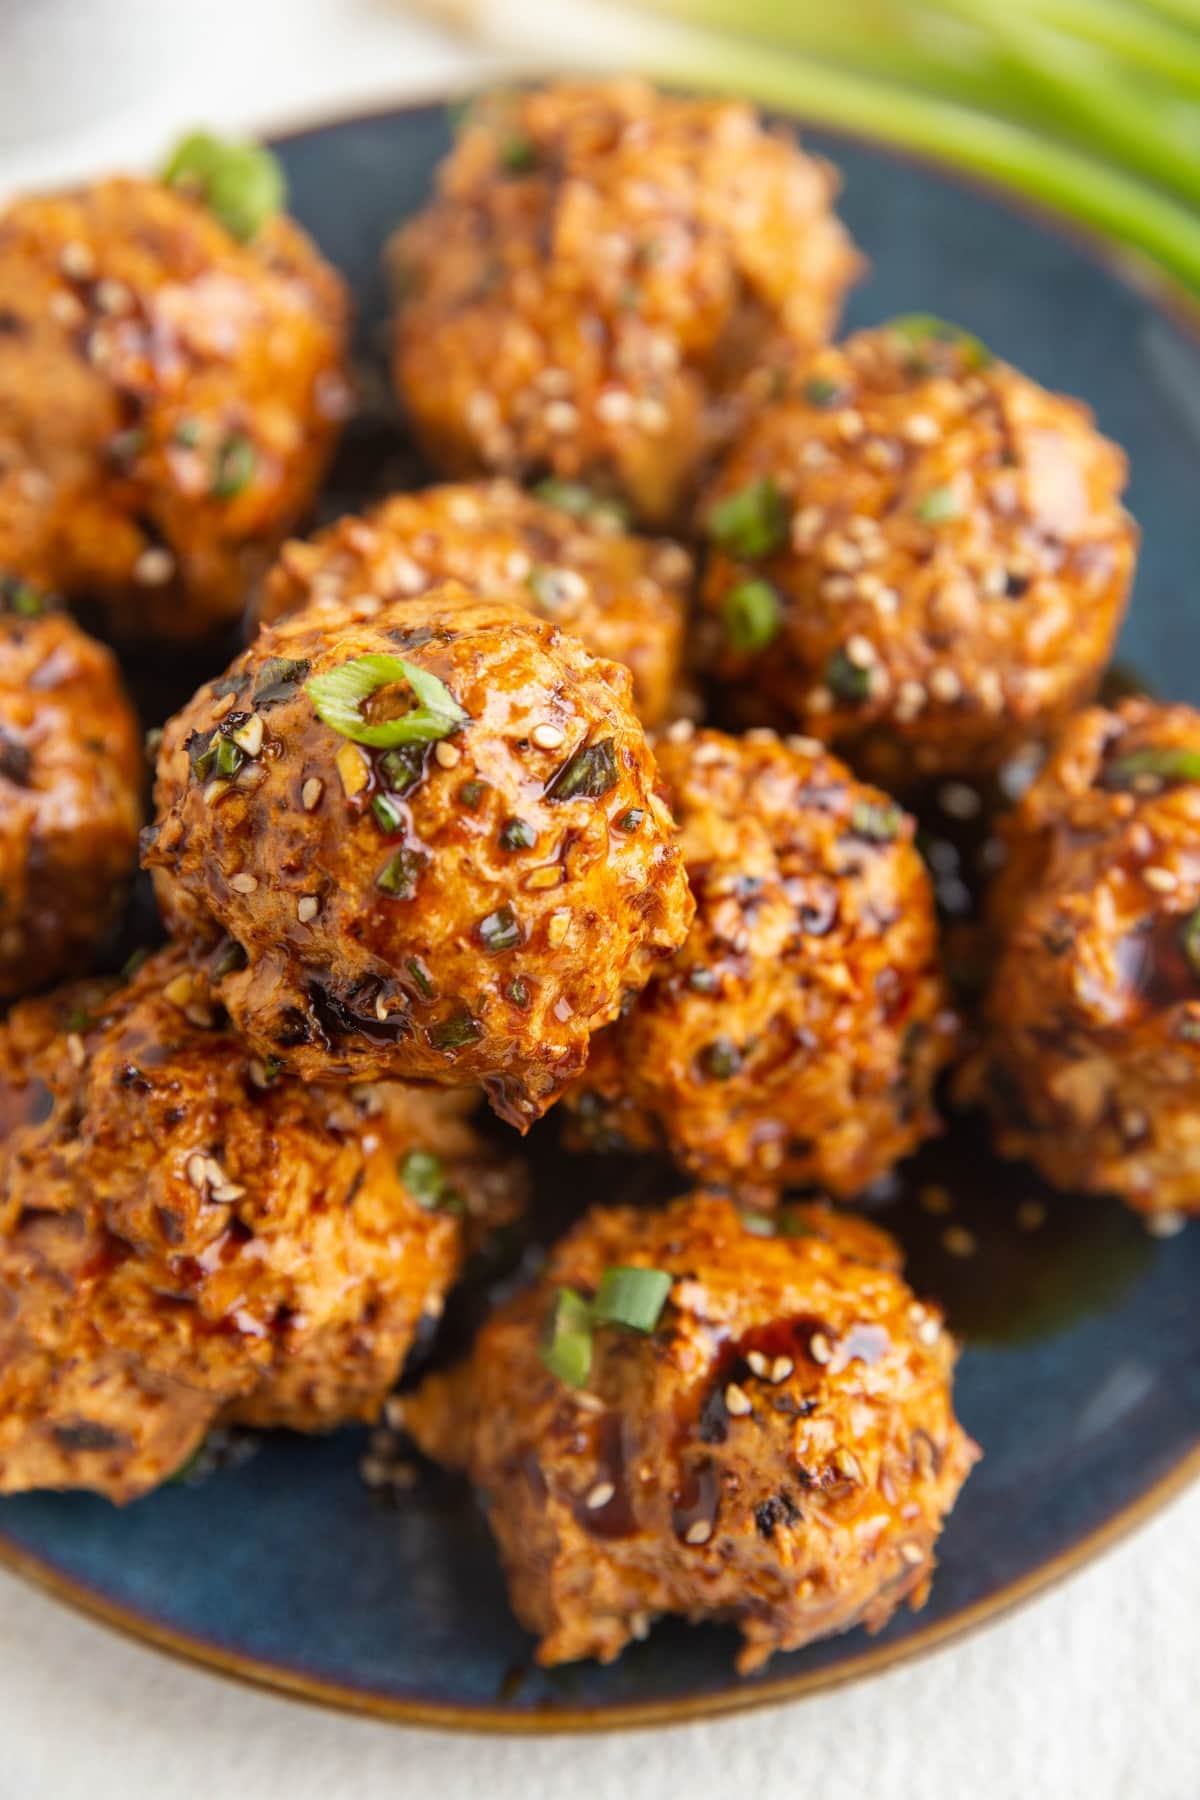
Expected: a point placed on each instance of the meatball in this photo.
(796, 1036)
(169, 397)
(71, 775)
(1090, 1053)
(457, 890)
(775, 1447)
(606, 276)
(565, 557)
(919, 555)
(186, 1236)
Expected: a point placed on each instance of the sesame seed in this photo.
(179, 990)
(806, 525)
(680, 732)
(737, 1400)
(781, 1368)
(757, 1363)
(393, 1412)
(381, 1007)
(599, 1496)
(214, 791)
(483, 411)
(353, 768)
(945, 686)
(76, 261)
(840, 553)
(113, 297)
(887, 600)
(615, 406)
(699, 1533)
(225, 1192)
(548, 737)
(958, 1241)
(814, 454)
(805, 746)
(960, 801)
(65, 308)
(257, 1072)
(75, 1049)
(1030, 1215)
(154, 567)
(373, 1471)
(1163, 881)
(921, 429)
(910, 700)
(557, 926)
(819, 1347)
(539, 880)
(860, 651)
(199, 1015)
(991, 691)
(818, 700)
(307, 907)
(243, 884)
(447, 756)
(912, 1554)
(929, 1331)
(652, 416)
(249, 737)
(560, 417)
(1165, 1224)
(850, 425)
(310, 793)
(838, 587)
(221, 705)
(196, 1169)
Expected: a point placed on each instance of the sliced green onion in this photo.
(515, 834)
(631, 820)
(878, 821)
(846, 679)
(403, 768)
(425, 1178)
(567, 1348)
(1189, 938)
(187, 434)
(821, 391)
(422, 979)
(938, 505)
(917, 329)
(236, 461)
(631, 1297)
(1167, 762)
(455, 1032)
(721, 1059)
(387, 814)
(500, 930)
(241, 184)
(21, 597)
(401, 873)
(581, 502)
(592, 771)
(751, 522)
(757, 1224)
(471, 793)
(517, 154)
(229, 757)
(338, 698)
(751, 615)
(278, 680)
(518, 992)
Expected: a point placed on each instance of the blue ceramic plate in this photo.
(1081, 1372)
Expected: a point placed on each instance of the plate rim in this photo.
(1131, 269)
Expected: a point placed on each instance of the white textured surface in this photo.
(1090, 1693)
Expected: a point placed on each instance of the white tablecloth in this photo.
(1090, 1693)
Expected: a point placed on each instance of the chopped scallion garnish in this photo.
(631, 1297)
(751, 522)
(338, 697)
(750, 613)
(241, 184)
(592, 771)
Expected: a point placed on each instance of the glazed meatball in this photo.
(776, 1449)
(169, 397)
(186, 1236)
(796, 1036)
(565, 557)
(605, 278)
(919, 555)
(436, 839)
(1090, 1057)
(71, 776)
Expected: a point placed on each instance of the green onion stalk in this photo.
(1089, 107)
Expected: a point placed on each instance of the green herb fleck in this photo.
(230, 757)
(631, 820)
(821, 391)
(757, 1224)
(471, 793)
(751, 522)
(517, 154)
(1153, 766)
(921, 329)
(702, 981)
(187, 434)
(455, 1032)
(518, 992)
(422, 980)
(1189, 938)
(567, 1348)
(592, 771)
(581, 502)
(21, 597)
(233, 470)
(425, 1178)
(751, 616)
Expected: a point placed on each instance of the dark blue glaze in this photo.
(1083, 1405)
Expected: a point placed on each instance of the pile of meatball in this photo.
(509, 796)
